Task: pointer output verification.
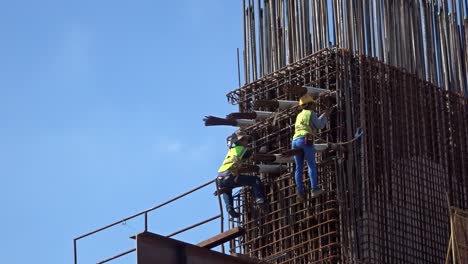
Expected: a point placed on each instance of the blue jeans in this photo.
(309, 153)
(226, 180)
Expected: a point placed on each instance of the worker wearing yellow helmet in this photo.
(307, 122)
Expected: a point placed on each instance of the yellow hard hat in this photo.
(306, 99)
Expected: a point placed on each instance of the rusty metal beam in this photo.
(153, 248)
(222, 238)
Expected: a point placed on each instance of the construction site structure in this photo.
(386, 194)
(393, 158)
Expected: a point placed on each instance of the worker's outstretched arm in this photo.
(318, 122)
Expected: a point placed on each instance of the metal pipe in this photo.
(238, 68)
(194, 225)
(315, 91)
(221, 214)
(117, 256)
(285, 104)
(281, 104)
(269, 168)
(244, 122)
(257, 115)
(75, 252)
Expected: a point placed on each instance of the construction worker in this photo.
(228, 176)
(305, 127)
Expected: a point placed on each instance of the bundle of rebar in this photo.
(427, 38)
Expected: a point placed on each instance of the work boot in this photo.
(262, 205)
(233, 212)
(316, 192)
(301, 197)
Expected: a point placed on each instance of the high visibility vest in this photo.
(233, 156)
(302, 125)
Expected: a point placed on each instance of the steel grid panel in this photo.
(386, 196)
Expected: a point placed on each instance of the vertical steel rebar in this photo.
(238, 68)
(427, 39)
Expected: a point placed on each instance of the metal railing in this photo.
(145, 213)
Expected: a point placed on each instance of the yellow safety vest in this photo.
(233, 156)
(302, 125)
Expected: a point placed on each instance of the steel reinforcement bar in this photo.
(386, 193)
(426, 38)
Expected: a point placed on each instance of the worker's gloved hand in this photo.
(328, 112)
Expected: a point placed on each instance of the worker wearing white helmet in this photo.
(228, 176)
(307, 122)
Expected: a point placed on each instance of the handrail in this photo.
(117, 256)
(171, 235)
(145, 213)
(222, 214)
(195, 225)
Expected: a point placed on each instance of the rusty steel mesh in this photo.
(386, 194)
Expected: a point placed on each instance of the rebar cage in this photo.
(387, 195)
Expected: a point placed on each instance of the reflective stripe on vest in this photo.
(302, 125)
(234, 155)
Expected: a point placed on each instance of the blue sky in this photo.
(101, 107)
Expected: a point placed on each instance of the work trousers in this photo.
(309, 155)
(227, 179)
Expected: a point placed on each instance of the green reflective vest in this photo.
(233, 156)
(302, 125)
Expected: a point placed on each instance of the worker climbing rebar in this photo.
(228, 174)
(307, 122)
